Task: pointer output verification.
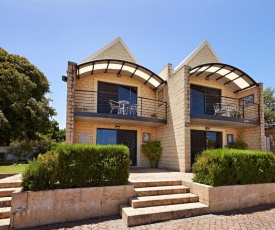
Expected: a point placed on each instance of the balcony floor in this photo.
(118, 119)
(222, 121)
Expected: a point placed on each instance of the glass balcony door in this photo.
(109, 91)
(203, 98)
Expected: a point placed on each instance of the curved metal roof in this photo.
(228, 75)
(120, 67)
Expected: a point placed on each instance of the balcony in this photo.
(215, 110)
(94, 106)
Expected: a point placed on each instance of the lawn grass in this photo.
(14, 168)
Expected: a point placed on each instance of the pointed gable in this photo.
(201, 55)
(114, 50)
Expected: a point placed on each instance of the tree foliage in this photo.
(56, 134)
(24, 109)
(269, 107)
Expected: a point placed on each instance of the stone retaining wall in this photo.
(225, 198)
(64, 205)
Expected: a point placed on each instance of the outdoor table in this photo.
(123, 103)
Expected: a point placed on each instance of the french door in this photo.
(201, 140)
(118, 136)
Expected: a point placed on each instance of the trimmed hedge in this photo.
(218, 167)
(75, 166)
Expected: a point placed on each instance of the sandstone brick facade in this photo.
(175, 136)
(205, 55)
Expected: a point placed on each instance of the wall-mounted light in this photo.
(187, 124)
(207, 128)
(64, 78)
(117, 127)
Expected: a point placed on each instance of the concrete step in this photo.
(161, 190)
(5, 192)
(147, 201)
(141, 184)
(5, 212)
(4, 175)
(5, 224)
(138, 216)
(14, 184)
(5, 202)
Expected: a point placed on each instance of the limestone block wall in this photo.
(225, 198)
(166, 72)
(64, 205)
(116, 51)
(175, 136)
(71, 75)
(205, 55)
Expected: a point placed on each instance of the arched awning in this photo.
(121, 67)
(228, 75)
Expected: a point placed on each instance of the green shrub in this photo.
(219, 167)
(152, 150)
(41, 173)
(80, 166)
(238, 144)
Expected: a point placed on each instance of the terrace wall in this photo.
(64, 205)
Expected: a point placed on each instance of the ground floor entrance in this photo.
(201, 140)
(118, 136)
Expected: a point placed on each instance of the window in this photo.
(109, 91)
(161, 97)
(203, 98)
(247, 100)
(230, 138)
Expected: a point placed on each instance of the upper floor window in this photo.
(247, 100)
(109, 91)
(203, 98)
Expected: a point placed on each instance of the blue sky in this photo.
(52, 32)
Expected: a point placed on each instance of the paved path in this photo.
(262, 217)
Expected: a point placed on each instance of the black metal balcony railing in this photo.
(208, 104)
(98, 102)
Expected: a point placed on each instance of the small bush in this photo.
(219, 167)
(238, 144)
(152, 150)
(75, 166)
(41, 173)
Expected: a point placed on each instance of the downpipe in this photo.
(17, 210)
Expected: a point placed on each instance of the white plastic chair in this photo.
(133, 109)
(239, 111)
(114, 106)
(219, 109)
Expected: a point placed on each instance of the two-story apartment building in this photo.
(202, 103)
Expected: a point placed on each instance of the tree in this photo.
(24, 110)
(269, 107)
(57, 135)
